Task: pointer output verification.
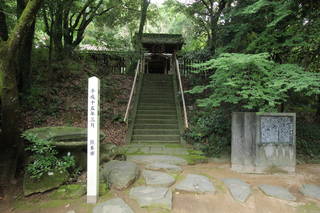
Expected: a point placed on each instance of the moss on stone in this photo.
(103, 189)
(195, 159)
(63, 136)
(71, 191)
(45, 183)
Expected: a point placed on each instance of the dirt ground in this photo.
(220, 202)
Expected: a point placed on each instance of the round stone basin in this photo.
(63, 136)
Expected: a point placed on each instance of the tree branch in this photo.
(24, 22)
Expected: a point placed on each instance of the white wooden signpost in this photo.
(93, 140)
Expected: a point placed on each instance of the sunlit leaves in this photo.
(253, 82)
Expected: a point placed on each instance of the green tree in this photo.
(66, 22)
(253, 82)
(207, 15)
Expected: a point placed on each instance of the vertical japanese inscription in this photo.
(276, 129)
(93, 140)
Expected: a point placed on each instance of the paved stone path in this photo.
(310, 190)
(119, 174)
(156, 149)
(196, 183)
(158, 189)
(277, 192)
(239, 190)
(164, 167)
(149, 159)
(116, 205)
(154, 178)
(148, 196)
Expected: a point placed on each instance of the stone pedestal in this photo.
(263, 141)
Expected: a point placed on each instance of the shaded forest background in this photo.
(264, 53)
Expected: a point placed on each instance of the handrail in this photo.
(132, 91)
(182, 96)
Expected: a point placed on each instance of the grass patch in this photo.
(36, 205)
(194, 159)
(308, 208)
(178, 177)
(157, 209)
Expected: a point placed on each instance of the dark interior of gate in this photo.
(160, 51)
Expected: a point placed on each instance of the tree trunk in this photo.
(24, 53)
(10, 101)
(143, 18)
(214, 19)
(57, 32)
(3, 25)
(317, 117)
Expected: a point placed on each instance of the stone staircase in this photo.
(156, 117)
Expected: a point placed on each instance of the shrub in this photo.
(308, 141)
(44, 158)
(210, 131)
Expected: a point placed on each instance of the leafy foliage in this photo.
(44, 157)
(253, 82)
(308, 141)
(210, 131)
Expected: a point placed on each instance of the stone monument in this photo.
(263, 141)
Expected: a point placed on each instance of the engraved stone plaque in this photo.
(276, 129)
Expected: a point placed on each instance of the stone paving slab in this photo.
(155, 178)
(116, 205)
(239, 190)
(148, 159)
(148, 196)
(196, 183)
(156, 149)
(119, 174)
(164, 167)
(310, 190)
(277, 192)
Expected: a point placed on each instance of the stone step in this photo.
(175, 137)
(156, 126)
(159, 111)
(157, 94)
(157, 100)
(148, 83)
(154, 87)
(156, 131)
(172, 103)
(157, 121)
(156, 91)
(157, 107)
(152, 95)
(156, 116)
(156, 97)
(147, 159)
(164, 86)
(158, 82)
(156, 77)
(155, 141)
